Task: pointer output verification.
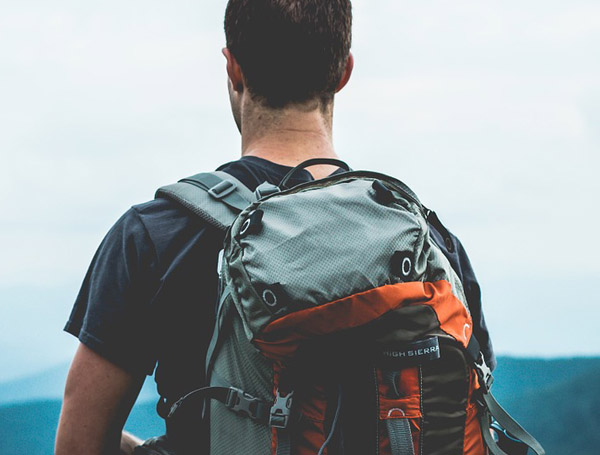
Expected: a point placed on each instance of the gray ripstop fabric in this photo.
(284, 442)
(307, 236)
(240, 364)
(327, 241)
(204, 205)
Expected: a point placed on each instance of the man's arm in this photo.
(98, 398)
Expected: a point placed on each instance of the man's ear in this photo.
(347, 72)
(234, 71)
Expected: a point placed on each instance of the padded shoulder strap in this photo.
(216, 197)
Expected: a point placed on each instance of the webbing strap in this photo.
(284, 441)
(221, 189)
(401, 442)
(490, 408)
(215, 197)
(197, 397)
(485, 420)
(493, 409)
(233, 398)
(214, 341)
(398, 428)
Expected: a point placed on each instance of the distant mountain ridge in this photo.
(530, 375)
(513, 373)
(556, 400)
(30, 428)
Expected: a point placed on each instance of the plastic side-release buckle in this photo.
(281, 410)
(484, 374)
(244, 403)
(266, 189)
(222, 189)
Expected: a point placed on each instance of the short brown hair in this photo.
(290, 51)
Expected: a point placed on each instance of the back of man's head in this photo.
(290, 51)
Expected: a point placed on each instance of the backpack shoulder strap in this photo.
(216, 197)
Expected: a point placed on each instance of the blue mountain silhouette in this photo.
(556, 400)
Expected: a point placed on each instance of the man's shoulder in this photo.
(157, 209)
(166, 222)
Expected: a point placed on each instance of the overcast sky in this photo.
(490, 110)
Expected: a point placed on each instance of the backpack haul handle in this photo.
(312, 162)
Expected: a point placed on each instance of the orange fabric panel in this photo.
(409, 404)
(310, 402)
(309, 432)
(474, 384)
(452, 314)
(282, 336)
(473, 443)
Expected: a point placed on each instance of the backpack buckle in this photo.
(244, 403)
(281, 410)
(484, 374)
(222, 189)
(265, 189)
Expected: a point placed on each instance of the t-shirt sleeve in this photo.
(112, 314)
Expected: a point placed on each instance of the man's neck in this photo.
(289, 137)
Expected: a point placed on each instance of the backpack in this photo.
(341, 327)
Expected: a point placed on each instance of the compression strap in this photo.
(400, 436)
(491, 409)
(216, 197)
(221, 189)
(215, 339)
(233, 398)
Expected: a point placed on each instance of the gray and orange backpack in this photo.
(342, 328)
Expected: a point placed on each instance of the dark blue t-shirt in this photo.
(148, 297)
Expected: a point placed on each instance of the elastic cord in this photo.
(335, 420)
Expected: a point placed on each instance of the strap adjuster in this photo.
(266, 189)
(244, 403)
(281, 410)
(484, 374)
(222, 189)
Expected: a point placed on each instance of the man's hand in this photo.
(98, 398)
(128, 443)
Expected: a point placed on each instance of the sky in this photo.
(489, 110)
